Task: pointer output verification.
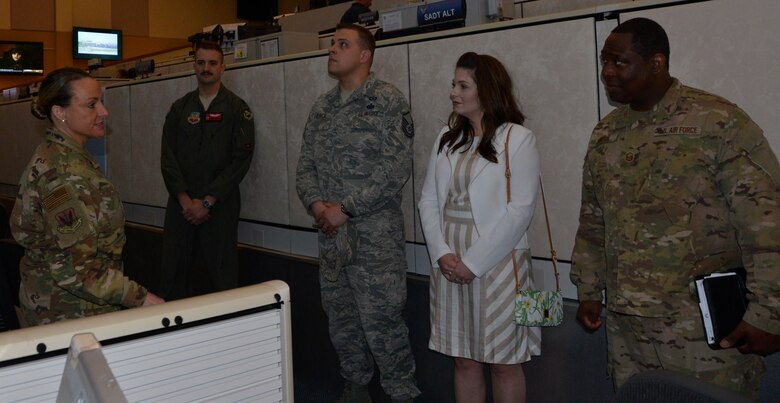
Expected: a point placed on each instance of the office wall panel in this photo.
(391, 64)
(32, 15)
(150, 102)
(304, 80)
(264, 189)
(556, 88)
(728, 49)
(119, 140)
(20, 134)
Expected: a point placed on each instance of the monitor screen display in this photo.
(90, 43)
(21, 57)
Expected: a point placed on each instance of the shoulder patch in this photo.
(407, 124)
(68, 221)
(56, 198)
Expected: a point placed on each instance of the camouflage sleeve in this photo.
(749, 177)
(589, 265)
(70, 237)
(306, 178)
(243, 147)
(27, 225)
(169, 165)
(80, 272)
(394, 164)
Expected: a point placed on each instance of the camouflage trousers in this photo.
(638, 344)
(364, 306)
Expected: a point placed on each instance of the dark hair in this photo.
(496, 95)
(647, 37)
(209, 45)
(56, 89)
(367, 40)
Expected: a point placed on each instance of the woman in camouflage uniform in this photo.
(67, 215)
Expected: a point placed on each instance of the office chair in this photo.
(669, 386)
(8, 319)
(5, 228)
(10, 255)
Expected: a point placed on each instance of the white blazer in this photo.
(500, 227)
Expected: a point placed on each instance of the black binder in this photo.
(723, 302)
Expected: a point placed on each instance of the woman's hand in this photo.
(462, 274)
(447, 264)
(152, 299)
(454, 270)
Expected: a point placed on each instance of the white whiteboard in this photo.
(241, 354)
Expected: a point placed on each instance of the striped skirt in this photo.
(474, 320)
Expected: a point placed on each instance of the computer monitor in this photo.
(91, 43)
(21, 57)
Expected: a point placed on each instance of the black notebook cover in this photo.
(723, 301)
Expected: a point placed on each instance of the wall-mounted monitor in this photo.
(91, 43)
(21, 57)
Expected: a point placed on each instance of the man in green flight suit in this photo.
(677, 183)
(207, 145)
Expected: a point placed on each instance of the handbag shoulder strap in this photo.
(553, 253)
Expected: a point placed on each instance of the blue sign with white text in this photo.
(446, 10)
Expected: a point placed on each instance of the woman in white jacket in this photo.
(471, 231)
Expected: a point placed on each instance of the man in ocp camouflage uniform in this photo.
(355, 158)
(677, 183)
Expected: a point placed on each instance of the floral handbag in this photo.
(536, 307)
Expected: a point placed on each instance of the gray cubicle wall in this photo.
(719, 45)
(20, 133)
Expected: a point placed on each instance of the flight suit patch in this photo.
(68, 221)
(56, 198)
(214, 117)
(194, 118)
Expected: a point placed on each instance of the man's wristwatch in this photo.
(207, 205)
(347, 213)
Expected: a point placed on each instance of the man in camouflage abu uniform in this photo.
(207, 145)
(677, 183)
(355, 159)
